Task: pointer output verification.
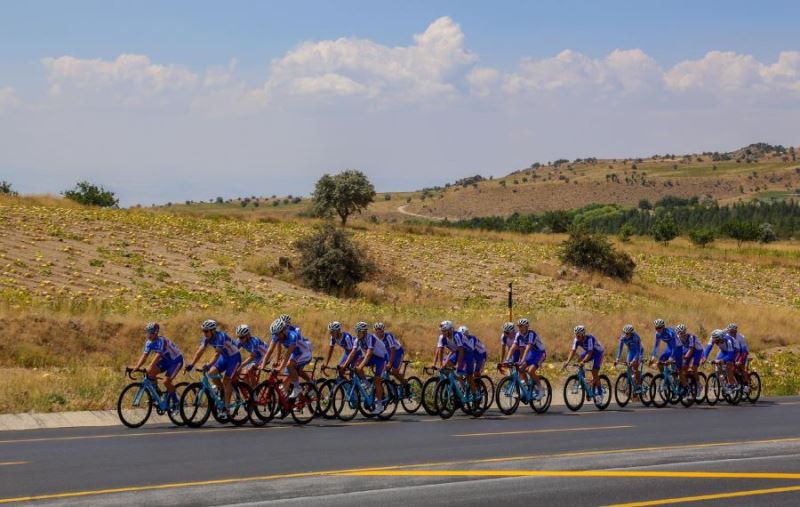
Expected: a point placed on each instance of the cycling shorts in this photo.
(677, 355)
(356, 358)
(227, 365)
(728, 357)
(633, 355)
(378, 363)
(170, 366)
(467, 365)
(741, 357)
(535, 357)
(398, 358)
(597, 359)
(696, 358)
(480, 360)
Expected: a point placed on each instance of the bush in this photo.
(91, 195)
(387, 197)
(625, 233)
(766, 234)
(331, 262)
(595, 252)
(664, 229)
(5, 188)
(701, 237)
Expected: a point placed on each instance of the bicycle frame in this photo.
(150, 386)
(527, 391)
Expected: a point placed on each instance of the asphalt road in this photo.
(745, 455)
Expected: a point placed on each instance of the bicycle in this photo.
(145, 395)
(718, 388)
(358, 394)
(755, 384)
(577, 390)
(429, 389)
(269, 399)
(669, 389)
(453, 392)
(626, 386)
(511, 390)
(410, 391)
(202, 399)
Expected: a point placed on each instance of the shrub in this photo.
(701, 237)
(5, 188)
(766, 234)
(625, 233)
(330, 261)
(595, 252)
(387, 197)
(664, 229)
(91, 195)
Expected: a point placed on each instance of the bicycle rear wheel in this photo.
(573, 393)
(645, 394)
(479, 404)
(306, 405)
(507, 395)
(134, 405)
(660, 393)
(713, 389)
(490, 390)
(346, 401)
(689, 393)
(411, 397)
(195, 405)
(391, 398)
(326, 399)
(755, 387)
(241, 404)
(542, 404)
(700, 394)
(174, 409)
(265, 403)
(622, 390)
(429, 395)
(603, 399)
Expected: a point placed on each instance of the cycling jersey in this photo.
(529, 338)
(727, 350)
(301, 354)
(163, 346)
(507, 340)
(255, 346)
(480, 348)
(346, 341)
(391, 342)
(222, 343)
(670, 339)
(739, 342)
(634, 344)
(590, 344)
(452, 344)
(371, 342)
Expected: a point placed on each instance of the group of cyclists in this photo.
(456, 349)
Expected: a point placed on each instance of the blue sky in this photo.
(251, 94)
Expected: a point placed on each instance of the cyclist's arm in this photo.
(437, 356)
(619, 350)
(198, 354)
(588, 357)
(214, 359)
(156, 359)
(524, 354)
(367, 357)
(141, 361)
(513, 348)
(460, 356)
(655, 348)
(707, 350)
(330, 354)
(268, 355)
(245, 363)
(285, 361)
(392, 353)
(569, 358)
(350, 357)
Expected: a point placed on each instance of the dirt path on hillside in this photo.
(402, 209)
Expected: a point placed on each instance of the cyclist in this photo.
(226, 359)
(673, 349)
(741, 354)
(727, 352)
(168, 358)
(533, 352)
(592, 351)
(288, 320)
(631, 339)
(453, 342)
(480, 357)
(693, 350)
(298, 354)
(467, 365)
(344, 340)
(256, 348)
(395, 350)
(374, 354)
(507, 341)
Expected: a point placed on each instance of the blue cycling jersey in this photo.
(529, 338)
(346, 341)
(391, 342)
(739, 342)
(479, 347)
(633, 342)
(371, 342)
(163, 346)
(668, 336)
(222, 343)
(452, 344)
(691, 342)
(725, 346)
(588, 344)
(255, 346)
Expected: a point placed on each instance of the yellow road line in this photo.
(552, 430)
(716, 496)
(10, 463)
(660, 474)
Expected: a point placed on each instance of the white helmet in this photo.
(579, 330)
(463, 330)
(242, 330)
(523, 322)
(277, 326)
(732, 326)
(379, 326)
(285, 317)
(508, 327)
(628, 328)
(446, 325)
(152, 327)
(717, 334)
(659, 323)
(680, 328)
(361, 326)
(209, 325)
(335, 326)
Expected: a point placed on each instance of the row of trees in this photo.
(83, 192)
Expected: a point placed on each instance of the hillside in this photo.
(77, 284)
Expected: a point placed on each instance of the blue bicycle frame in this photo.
(148, 385)
(529, 392)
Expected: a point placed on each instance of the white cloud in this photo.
(8, 99)
(482, 80)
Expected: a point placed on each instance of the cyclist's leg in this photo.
(597, 361)
(677, 355)
(230, 372)
(170, 373)
(634, 360)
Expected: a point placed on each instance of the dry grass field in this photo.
(77, 284)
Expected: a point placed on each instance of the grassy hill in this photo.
(77, 284)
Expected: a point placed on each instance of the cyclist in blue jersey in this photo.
(467, 365)
(343, 340)
(592, 351)
(374, 354)
(450, 340)
(507, 341)
(168, 358)
(298, 354)
(533, 352)
(480, 356)
(630, 338)
(672, 348)
(256, 348)
(395, 349)
(226, 359)
(740, 342)
(288, 321)
(692, 350)
(727, 352)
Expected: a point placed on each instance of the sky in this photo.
(180, 100)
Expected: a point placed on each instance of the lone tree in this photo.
(5, 188)
(345, 193)
(701, 237)
(593, 251)
(331, 262)
(91, 195)
(664, 229)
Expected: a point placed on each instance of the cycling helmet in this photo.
(717, 334)
(508, 327)
(580, 330)
(277, 326)
(242, 330)
(285, 317)
(209, 325)
(523, 322)
(379, 326)
(152, 327)
(680, 328)
(659, 323)
(628, 328)
(446, 325)
(334, 326)
(732, 326)
(361, 326)
(463, 330)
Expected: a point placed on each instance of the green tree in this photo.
(625, 233)
(645, 204)
(345, 193)
(5, 188)
(766, 234)
(664, 229)
(595, 252)
(331, 262)
(91, 195)
(741, 231)
(701, 237)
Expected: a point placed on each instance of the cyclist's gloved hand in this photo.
(189, 367)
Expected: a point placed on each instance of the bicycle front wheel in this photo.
(445, 400)
(391, 397)
(573, 393)
(346, 401)
(700, 394)
(507, 395)
(646, 394)
(429, 395)
(411, 398)
(306, 405)
(174, 408)
(490, 390)
(326, 399)
(622, 390)
(603, 399)
(659, 392)
(713, 389)
(241, 404)
(134, 405)
(195, 405)
(755, 387)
